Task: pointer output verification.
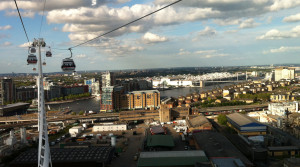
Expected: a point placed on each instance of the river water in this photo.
(94, 103)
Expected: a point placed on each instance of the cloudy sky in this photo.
(190, 33)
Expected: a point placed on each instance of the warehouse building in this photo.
(75, 157)
(160, 142)
(198, 124)
(109, 127)
(172, 158)
(245, 125)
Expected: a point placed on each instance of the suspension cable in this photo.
(22, 21)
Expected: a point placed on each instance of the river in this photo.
(94, 103)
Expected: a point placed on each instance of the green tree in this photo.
(222, 119)
(81, 112)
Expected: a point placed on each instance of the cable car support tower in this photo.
(44, 158)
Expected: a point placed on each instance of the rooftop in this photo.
(69, 155)
(242, 119)
(171, 158)
(197, 121)
(160, 140)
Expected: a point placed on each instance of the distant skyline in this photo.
(192, 33)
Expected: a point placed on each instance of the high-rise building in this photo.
(7, 91)
(108, 79)
(106, 102)
(284, 73)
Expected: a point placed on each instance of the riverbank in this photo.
(69, 101)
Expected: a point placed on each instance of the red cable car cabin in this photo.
(68, 65)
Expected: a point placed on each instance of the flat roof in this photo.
(14, 105)
(59, 155)
(171, 158)
(242, 119)
(283, 148)
(217, 145)
(227, 162)
(143, 91)
(229, 108)
(160, 140)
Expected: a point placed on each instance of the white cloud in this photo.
(183, 52)
(208, 31)
(249, 23)
(153, 38)
(28, 13)
(283, 4)
(7, 27)
(292, 18)
(25, 45)
(283, 49)
(276, 34)
(80, 56)
(225, 22)
(6, 44)
(202, 53)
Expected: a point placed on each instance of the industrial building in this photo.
(75, 157)
(227, 162)
(139, 115)
(217, 145)
(282, 151)
(172, 158)
(245, 125)
(160, 142)
(141, 99)
(109, 127)
(198, 124)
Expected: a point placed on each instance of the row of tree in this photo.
(71, 97)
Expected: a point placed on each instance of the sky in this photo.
(190, 33)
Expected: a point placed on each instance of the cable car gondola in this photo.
(31, 59)
(48, 53)
(68, 64)
(32, 50)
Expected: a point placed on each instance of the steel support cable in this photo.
(22, 21)
(42, 18)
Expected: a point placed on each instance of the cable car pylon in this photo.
(44, 157)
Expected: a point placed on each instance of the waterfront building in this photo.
(53, 92)
(144, 99)
(94, 86)
(106, 102)
(284, 73)
(7, 91)
(111, 98)
(26, 93)
(74, 90)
